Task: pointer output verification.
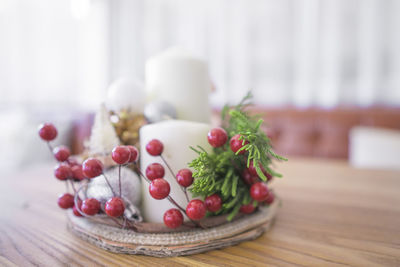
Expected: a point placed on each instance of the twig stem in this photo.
(174, 177)
(72, 185)
(119, 180)
(170, 199)
(109, 185)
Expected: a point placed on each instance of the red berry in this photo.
(154, 147)
(253, 171)
(92, 167)
(248, 178)
(270, 198)
(121, 154)
(249, 208)
(217, 137)
(237, 144)
(252, 168)
(134, 154)
(184, 177)
(72, 162)
(63, 172)
(155, 171)
(173, 218)
(159, 189)
(114, 207)
(213, 203)
(259, 191)
(90, 206)
(196, 209)
(47, 131)
(77, 172)
(75, 210)
(66, 201)
(61, 153)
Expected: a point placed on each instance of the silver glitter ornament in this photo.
(158, 111)
(130, 188)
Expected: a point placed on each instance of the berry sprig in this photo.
(159, 189)
(155, 148)
(69, 169)
(122, 155)
(115, 206)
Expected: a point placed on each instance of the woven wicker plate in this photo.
(187, 242)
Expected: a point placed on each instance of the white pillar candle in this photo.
(177, 137)
(182, 80)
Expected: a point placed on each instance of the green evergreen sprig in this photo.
(220, 171)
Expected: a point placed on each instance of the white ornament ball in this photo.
(126, 93)
(130, 188)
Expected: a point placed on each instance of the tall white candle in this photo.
(177, 136)
(182, 80)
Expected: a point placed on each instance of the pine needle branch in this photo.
(219, 172)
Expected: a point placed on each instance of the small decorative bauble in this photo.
(127, 125)
(158, 111)
(126, 94)
(131, 190)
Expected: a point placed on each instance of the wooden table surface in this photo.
(332, 214)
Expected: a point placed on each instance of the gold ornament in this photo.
(127, 125)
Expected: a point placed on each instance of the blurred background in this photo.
(326, 73)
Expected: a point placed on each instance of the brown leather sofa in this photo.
(311, 132)
(316, 132)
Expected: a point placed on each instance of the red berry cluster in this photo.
(48, 132)
(196, 209)
(159, 188)
(218, 137)
(70, 170)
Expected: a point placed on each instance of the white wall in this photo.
(301, 52)
(53, 53)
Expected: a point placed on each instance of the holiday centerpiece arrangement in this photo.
(155, 179)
